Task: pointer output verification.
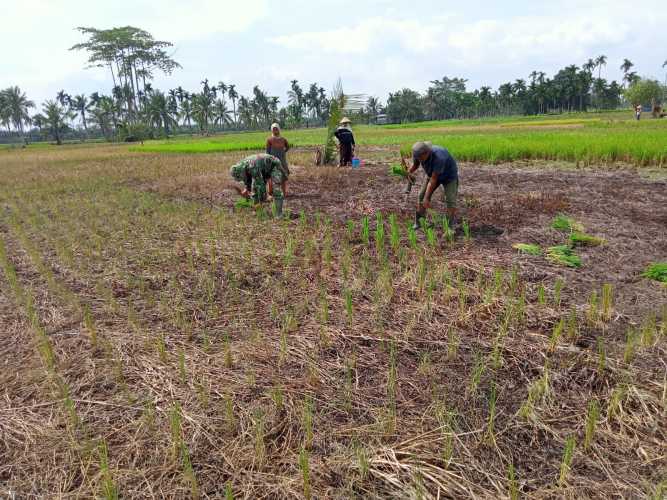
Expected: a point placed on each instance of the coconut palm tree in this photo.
(157, 111)
(81, 105)
(202, 109)
(599, 62)
(221, 114)
(55, 118)
(186, 111)
(17, 105)
(233, 95)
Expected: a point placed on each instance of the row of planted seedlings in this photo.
(84, 311)
(597, 312)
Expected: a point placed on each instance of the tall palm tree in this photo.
(372, 107)
(626, 66)
(222, 87)
(81, 105)
(233, 95)
(186, 111)
(202, 109)
(221, 114)
(599, 62)
(17, 105)
(56, 117)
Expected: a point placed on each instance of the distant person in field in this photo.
(346, 143)
(638, 112)
(254, 172)
(277, 145)
(441, 170)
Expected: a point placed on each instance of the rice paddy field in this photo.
(588, 139)
(160, 340)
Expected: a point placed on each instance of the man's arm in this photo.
(432, 183)
(268, 146)
(286, 146)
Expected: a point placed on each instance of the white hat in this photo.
(345, 120)
(275, 125)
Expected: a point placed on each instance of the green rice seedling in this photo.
(346, 263)
(466, 229)
(350, 230)
(537, 392)
(649, 330)
(514, 281)
(512, 483)
(305, 473)
(602, 355)
(563, 255)
(578, 239)
(243, 204)
(70, 407)
(592, 416)
(431, 237)
(656, 271)
(528, 248)
(230, 418)
(181, 366)
(412, 236)
(631, 340)
(258, 431)
(541, 295)
(229, 493)
(288, 256)
(445, 420)
(278, 397)
(394, 234)
(363, 461)
(89, 324)
(303, 221)
(109, 489)
(203, 392)
(607, 301)
(447, 230)
(660, 491)
(425, 366)
(572, 326)
(176, 427)
(188, 471)
(566, 461)
(307, 421)
(327, 255)
(477, 372)
(556, 335)
(347, 296)
(419, 487)
(592, 314)
(558, 288)
(615, 405)
(365, 230)
(490, 422)
(564, 223)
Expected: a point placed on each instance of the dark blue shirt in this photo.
(441, 163)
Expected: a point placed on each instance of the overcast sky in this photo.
(375, 46)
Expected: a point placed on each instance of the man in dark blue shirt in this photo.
(441, 170)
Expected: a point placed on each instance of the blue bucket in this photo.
(356, 162)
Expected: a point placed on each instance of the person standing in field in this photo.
(254, 171)
(441, 170)
(346, 143)
(638, 112)
(277, 145)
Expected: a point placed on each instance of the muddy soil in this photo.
(506, 204)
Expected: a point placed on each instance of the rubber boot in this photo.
(278, 207)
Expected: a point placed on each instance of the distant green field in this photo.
(593, 139)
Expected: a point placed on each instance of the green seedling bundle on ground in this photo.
(528, 248)
(563, 255)
(656, 271)
(398, 171)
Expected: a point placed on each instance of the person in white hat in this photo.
(346, 143)
(277, 145)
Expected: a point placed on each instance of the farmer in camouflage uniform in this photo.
(254, 171)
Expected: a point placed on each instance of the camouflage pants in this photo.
(259, 186)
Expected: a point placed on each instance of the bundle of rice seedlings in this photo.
(563, 254)
(564, 223)
(398, 171)
(582, 239)
(528, 248)
(656, 271)
(243, 203)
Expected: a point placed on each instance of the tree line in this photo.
(135, 110)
